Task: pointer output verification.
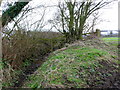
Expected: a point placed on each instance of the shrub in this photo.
(23, 47)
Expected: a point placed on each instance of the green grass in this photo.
(75, 63)
(109, 39)
(1, 65)
(112, 40)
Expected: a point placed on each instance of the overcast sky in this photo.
(109, 15)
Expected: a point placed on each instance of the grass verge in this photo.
(77, 66)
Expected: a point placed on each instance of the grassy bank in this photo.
(83, 64)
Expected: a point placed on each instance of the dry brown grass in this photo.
(24, 45)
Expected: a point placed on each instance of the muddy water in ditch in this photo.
(30, 70)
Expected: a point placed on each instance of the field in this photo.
(112, 40)
(108, 39)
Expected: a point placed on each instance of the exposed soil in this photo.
(106, 81)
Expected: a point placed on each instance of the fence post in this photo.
(98, 32)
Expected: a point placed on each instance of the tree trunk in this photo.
(12, 12)
(1, 71)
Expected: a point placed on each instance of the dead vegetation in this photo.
(22, 48)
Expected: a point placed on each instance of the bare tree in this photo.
(73, 16)
(24, 21)
(92, 22)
